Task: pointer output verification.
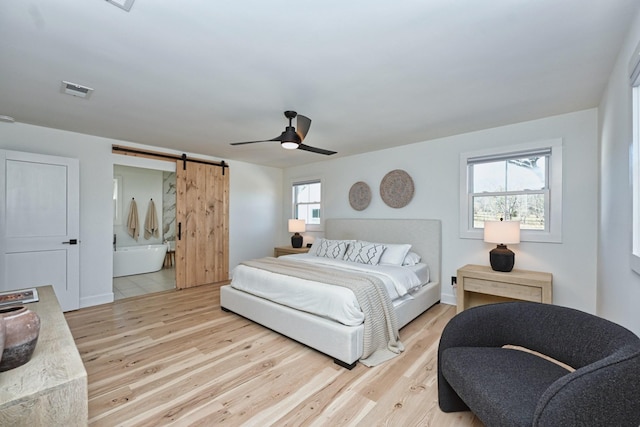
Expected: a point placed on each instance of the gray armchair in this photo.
(509, 387)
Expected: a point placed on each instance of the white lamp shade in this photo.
(296, 226)
(502, 232)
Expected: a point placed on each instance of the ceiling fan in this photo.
(291, 138)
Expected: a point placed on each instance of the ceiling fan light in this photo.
(289, 145)
(290, 139)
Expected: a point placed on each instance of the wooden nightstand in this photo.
(288, 250)
(479, 284)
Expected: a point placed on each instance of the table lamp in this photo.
(502, 233)
(296, 226)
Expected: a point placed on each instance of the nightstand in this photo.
(479, 284)
(288, 250)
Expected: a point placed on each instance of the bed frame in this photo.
(345, 343)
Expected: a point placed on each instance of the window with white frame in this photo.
(634, 71)
(307, 202)
(522, 183)
(117, 200)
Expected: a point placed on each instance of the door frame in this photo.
(133, 157)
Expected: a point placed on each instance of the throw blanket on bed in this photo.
(381, 337)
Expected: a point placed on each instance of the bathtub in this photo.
(130, 260)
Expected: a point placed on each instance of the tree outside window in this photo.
(512, 189)
(520, 183)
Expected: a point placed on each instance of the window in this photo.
(522, 183)
(307, 198)
(634, 68)
(117, 200)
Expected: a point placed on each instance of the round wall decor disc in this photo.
(359, 196)
(396, 188)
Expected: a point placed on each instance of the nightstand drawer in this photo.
(479, 284)
(502, 289)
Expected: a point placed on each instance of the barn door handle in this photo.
(71, 242)
(179, 231)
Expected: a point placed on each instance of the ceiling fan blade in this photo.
(277, 138)
(316, 150)
(293, 135)
(247, 142)
(303, 124)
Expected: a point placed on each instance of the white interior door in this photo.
(39, 224)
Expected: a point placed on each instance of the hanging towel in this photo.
(151, 222)
(132, 221)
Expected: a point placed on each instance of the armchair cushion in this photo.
(517, 378)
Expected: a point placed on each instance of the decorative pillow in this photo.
(412, 258)
(332, 248)
(313, 250)
(395, 253)
(364, 252)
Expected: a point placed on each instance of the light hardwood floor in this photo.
(176, 358)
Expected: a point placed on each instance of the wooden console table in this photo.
(50, 389)
(479, 284)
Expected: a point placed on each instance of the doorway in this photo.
(143, 185)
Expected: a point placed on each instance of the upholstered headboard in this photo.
(424, 235)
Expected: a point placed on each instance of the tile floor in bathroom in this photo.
(140, 284)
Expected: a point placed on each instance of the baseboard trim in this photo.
(448, 299)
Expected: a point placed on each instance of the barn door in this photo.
(202, 218)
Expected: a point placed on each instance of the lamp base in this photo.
(296, 240)
(502, 259)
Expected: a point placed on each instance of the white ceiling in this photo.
(196, 75)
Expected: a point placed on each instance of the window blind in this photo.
(540, 152)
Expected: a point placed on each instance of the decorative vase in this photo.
(22, 328)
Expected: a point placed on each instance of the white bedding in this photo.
(333, 302)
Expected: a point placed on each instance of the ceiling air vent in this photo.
(76, 89)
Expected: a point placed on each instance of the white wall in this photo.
(434, 165)
(619, 286)
(255, 195)
(255, 209)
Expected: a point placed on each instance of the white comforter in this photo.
(334, 302)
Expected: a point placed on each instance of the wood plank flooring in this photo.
(175, 358)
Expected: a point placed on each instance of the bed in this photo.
(345, 342)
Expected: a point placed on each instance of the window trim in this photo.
(553, 210)
(301, 181)
(634, 160)
(634, 169)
